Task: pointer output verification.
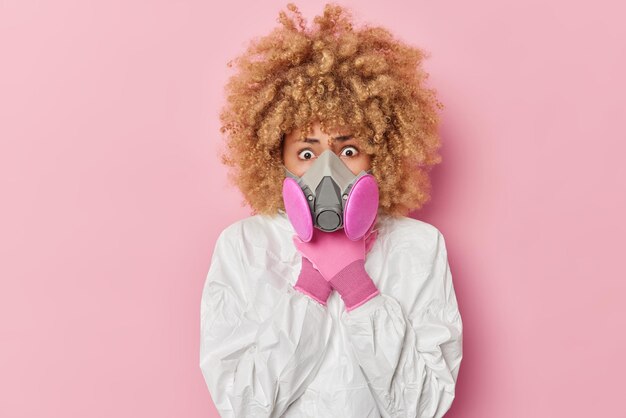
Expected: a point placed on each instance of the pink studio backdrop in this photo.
(113, 196)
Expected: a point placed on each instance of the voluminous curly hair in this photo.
(341, 76)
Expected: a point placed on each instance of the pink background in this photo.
(113, 196)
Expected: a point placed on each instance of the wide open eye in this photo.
(306, 154)
(349, 151)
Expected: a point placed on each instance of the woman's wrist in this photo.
(312, 283)
(354, 285)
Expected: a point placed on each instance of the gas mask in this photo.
(329, 196)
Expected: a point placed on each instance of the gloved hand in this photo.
(341, 263)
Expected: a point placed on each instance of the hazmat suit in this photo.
(268, 350)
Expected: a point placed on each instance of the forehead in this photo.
(316, 132)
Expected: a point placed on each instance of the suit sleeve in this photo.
(411, 356)
(256, 361)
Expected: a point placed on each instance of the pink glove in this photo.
(311, 283)
(341, 263)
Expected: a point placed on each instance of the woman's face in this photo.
(299, 155)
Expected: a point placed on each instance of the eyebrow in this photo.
(341, 138)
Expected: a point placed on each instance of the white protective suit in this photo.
(268, 350)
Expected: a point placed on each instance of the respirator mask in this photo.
(329, 196)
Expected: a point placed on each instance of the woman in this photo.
(330, 327)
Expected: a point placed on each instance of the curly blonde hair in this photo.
(363, 79)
